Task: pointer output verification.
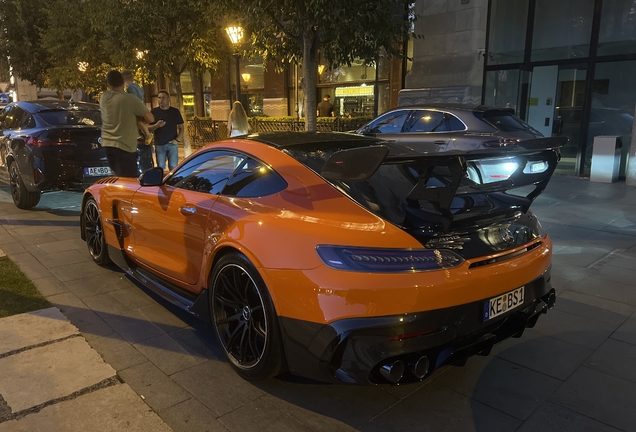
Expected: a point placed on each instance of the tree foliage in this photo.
(23, 22)
(298, 30)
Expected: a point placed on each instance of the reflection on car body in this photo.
(339, 257)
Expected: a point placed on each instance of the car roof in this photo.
(451, 107)
(45, 105)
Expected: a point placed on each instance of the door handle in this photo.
(187, 210)
(439, 142)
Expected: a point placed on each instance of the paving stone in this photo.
(191, 416)
(606, 289)
(259, 416)
(600, 396)
(57, 245)
(84, 287)
(350, 404)
(202, 379)
(571, 273)
(615, 358)
(440, 409)
(627, 331)
(163, 318)
(553, 418)
(88, 322)
(166, 353)
(112, 409)
(65, 274)
(36, 230)
(49, 286)
(599, 309)
(63, 258)
(544, 354)
(574, 328)
(372, 427)
(27, 329)
(132, 325)
(32, 377)
(30, 266)
(505, 386)
(116, 351)
(158, 390)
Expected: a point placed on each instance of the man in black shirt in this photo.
(325, 109)
(168, 131)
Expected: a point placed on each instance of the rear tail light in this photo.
(503, 142)
(387, 260)
(34, 141)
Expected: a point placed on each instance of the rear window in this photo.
(506, 121)
(61, 117)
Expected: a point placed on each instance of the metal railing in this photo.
(204, 131)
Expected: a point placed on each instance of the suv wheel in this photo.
(22, 198)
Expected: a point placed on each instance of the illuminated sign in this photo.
(354, 91)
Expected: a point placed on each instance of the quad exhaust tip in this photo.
(393, 372)
(420, 368)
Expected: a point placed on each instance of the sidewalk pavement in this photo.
(574, 371)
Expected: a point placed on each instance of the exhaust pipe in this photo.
(420, 368)
(393, 372)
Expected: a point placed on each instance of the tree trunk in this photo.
(630, 175)
(310, 71)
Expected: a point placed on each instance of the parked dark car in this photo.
(50, 145)
(444, 127)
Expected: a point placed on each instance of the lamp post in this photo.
(236, 34)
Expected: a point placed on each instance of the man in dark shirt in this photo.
(325, 109)
(168, 131)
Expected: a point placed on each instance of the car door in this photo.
(426, 131)
(388, 126)
(4, 137)
(169, 221)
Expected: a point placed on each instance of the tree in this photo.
(23, 22)
(174, 35)
(286, 31)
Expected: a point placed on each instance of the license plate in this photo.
(501, 304)
(97, 171)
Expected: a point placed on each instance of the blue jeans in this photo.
(167, 151)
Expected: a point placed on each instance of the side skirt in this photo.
(197, 305)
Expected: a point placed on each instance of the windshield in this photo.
(62, 117)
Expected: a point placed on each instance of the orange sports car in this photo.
(337, 257)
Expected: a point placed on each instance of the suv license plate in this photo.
(501, 304)
(97, 171)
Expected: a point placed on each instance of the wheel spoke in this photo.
(233, 336)
(229, 319)
(227, 302)
(252, 338)
(242, 344)
(231, 290)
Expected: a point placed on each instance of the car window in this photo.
(455, 124)
(4, 121)
(17, 118)
(254, 179)
(428, 121)
(61, 117)
(208, 172)
(506, 121)
(388, 123)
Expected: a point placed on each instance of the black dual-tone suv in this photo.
(50, 145)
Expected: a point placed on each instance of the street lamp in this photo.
(235, 34)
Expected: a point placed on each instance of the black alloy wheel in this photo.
(244, 318)
(94, 233)
(22, 198)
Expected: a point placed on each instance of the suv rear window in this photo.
(59, 117)
(506, 121)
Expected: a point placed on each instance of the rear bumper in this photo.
(51, 173)
(353, 350)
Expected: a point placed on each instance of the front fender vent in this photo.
(107, 180)
(505, 257)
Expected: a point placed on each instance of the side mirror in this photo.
(152, 177)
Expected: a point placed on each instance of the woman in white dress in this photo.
(237, 122)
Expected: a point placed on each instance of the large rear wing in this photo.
(359, 164)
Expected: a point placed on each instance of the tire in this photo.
(244, 319)
(94, 233)
(22, 198)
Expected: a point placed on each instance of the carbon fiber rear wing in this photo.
(359, 164)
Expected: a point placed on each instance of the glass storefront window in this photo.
(507, 37)
(562, 29)
(612, 106)
(618, 28)
(186, 82)
(502, 89)
(252, 73)
(358, 71)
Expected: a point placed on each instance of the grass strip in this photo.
(17, 293)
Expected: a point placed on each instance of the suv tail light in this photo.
(34, 141)
(502, 142)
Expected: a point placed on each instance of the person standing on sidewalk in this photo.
(144, 150)
(168, 131)
(119, 125)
